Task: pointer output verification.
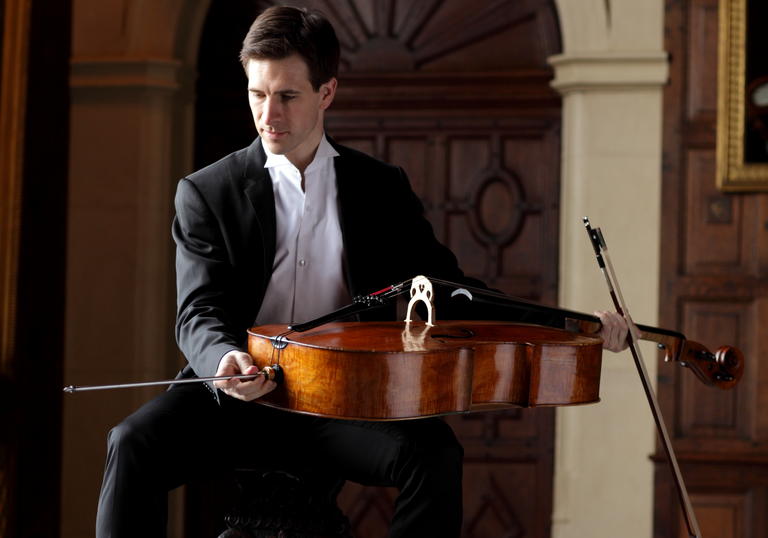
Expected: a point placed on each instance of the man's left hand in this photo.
(614, 330)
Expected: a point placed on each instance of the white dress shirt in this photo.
(308, 274)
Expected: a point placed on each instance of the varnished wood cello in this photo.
(392, 371)
(401, 370)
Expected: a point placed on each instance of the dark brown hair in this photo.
(281, 31)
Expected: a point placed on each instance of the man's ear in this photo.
(327, 93)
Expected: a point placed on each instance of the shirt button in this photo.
(302, 263)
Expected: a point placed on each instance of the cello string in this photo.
(518, 302)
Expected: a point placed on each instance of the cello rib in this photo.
(392, 371)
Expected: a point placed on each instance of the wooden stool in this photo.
(286, 503)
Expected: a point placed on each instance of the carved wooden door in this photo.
(715, 249)
(457, 93)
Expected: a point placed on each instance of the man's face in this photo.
(287, 111)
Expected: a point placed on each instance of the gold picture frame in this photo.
(742, 125)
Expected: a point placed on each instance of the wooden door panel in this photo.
(714, 414)
(503, 501)
(723, 516)
(719, 238)
(369, 509)
(413, 155)
(490, 199)
(364, 144)
(702, 96)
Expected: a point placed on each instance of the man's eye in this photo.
(288, 97)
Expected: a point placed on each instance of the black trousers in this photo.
(184, 434)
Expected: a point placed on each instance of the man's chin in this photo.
(274, 146)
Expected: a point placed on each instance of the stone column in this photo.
(125, 158)
(610, 75)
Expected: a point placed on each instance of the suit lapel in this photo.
(345, 190)
(258, 190)
(349, 199)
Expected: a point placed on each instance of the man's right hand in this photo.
(235, 363)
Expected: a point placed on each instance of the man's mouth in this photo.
(273, 134)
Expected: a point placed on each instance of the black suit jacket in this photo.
(225, 244)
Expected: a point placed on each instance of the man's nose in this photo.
(271, 111)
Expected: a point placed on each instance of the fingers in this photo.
(233, 363)
(238, 362)
(613, 331)
(248, 390)
(636, 334)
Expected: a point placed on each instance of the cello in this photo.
(403, 370)
(407, 370)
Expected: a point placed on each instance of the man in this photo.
(281, 232)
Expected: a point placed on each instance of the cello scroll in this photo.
(722, 369)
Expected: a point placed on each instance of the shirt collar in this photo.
(324, 151)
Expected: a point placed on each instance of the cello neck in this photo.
(672, 342)
(722, 369)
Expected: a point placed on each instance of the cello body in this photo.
(394, 370)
